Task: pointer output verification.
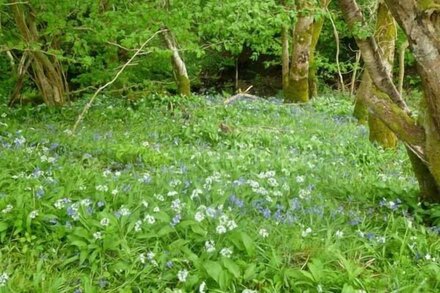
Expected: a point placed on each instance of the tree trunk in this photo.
(402, 50)
(317, 28)
(47, 72)
(179, 67)
(298, 87)
(285, 56)
(422, 31)
(360, 108)
(386, 34)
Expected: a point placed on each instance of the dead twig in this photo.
(89, 104)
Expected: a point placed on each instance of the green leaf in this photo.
(248, 243)
(214, 270)
(232, 267)
(3, 226)
(199, 230)
(250, 271)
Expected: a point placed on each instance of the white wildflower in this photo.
(142, 258)
(159, 197)
(263, 233)
(175, 182)
(199, 216)
(223, 219)
(105, 222)
(182, 275)
(202, 287)
(231, 225)
(220, 229)
(254, 184)
(33, 214)
(103, 188)
(115, 191)
(86, 202)
(306, 232)
(300, 179)
(149, 219)
(4, 277)
(226, 252)
(7, 209)
(339, 234)
(138, 226)
(145, 204)
(277, 193)
(210, 246)
(172, 193)
(156, 209)
(97, 235)
(195, 193)
(124, 211)
(272, 182)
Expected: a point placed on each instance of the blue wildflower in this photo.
(176, 220)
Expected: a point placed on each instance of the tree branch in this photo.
(89, 104)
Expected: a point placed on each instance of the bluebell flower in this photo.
(236, 201)
(266, 213)
(54, 146)
(355, 221)
(126, 187)
(39, 192)
(68, 225)
(103, 283)
(295, 203)
(176, 220)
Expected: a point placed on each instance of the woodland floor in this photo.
(249, 197)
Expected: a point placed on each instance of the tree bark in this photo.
(385, 34)
(298, 87)
(318, 23)
(402, 50)
(360, 108)
(285, 59)
(47, 71)
(422, 31)
(179, 67)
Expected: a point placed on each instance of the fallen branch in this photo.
(89, 104)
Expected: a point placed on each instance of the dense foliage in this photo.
(144, 199)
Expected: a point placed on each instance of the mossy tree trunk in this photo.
(297, 89)
(318, 23)
(421, 138)
(179, 67)
(285, 58)
(46, 71)
(360, 111)
(385, 34)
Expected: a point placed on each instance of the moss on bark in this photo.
(360, 111)
(386, 33)
(184, 85)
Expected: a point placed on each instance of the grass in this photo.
(141, 199)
